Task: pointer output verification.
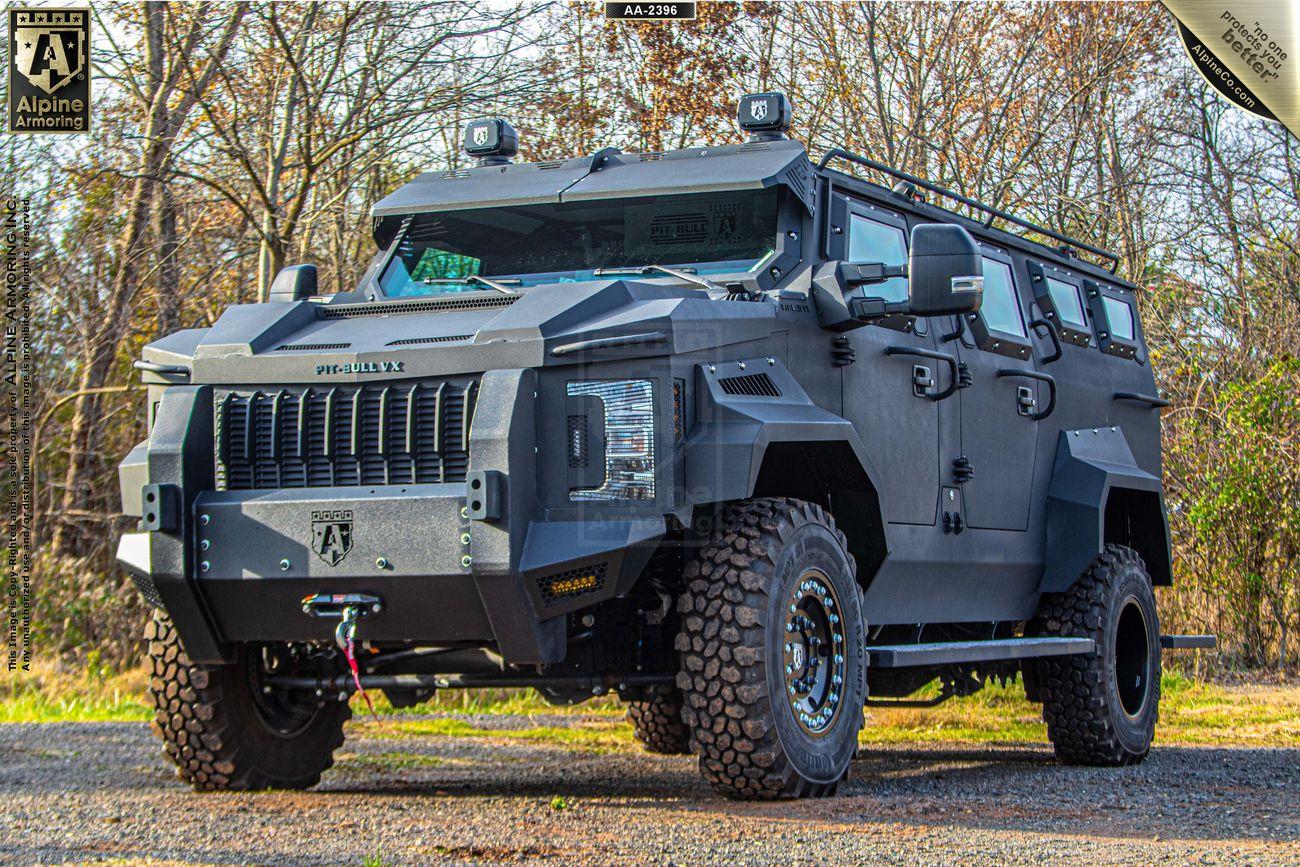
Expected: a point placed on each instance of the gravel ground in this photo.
(99, 791)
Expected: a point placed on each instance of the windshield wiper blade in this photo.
(680, 273)
(501, 285)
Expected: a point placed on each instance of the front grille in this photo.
(310, 437)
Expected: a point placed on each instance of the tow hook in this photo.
(349, 608)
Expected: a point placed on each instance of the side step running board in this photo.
(943, 653)
(1189, 642)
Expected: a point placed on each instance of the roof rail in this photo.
(994, 213)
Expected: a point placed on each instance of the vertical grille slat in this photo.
(300, 437)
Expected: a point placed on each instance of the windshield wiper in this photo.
(686, 274)
(501, 285)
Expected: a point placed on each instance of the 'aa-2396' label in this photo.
(650, 11)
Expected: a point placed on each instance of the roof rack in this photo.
(993, 213)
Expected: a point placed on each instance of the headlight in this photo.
(624, 431)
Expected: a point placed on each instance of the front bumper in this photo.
(235, 565)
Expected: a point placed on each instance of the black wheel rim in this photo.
(286, 713)
(813, 653)
(1132, 658)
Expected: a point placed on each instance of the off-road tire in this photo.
(749, 742)
(1092, 718)
(657, 722)
(214, 733)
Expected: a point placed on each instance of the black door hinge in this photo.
(952, 523)
(964, 378)
(842, 352)
(962, 470)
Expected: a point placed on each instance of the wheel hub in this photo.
(813, 656)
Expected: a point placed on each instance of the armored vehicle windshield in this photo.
(707, 233)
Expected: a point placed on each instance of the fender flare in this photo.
(1091, 466)
(725, 450)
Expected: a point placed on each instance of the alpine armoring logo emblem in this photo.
(331, 534)
(758, 109)
(480, 135)
(49, 70)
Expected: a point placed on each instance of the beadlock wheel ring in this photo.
(813, 652)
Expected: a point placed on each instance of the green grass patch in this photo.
(49, 694)
(599, 736)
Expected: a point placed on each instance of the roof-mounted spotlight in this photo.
(765, 116)
(491, 140)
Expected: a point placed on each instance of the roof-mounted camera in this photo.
(765, 116)
(491, 140)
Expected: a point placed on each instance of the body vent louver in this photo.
(310, 347)
(416, 341)
(752, 385)
(322, 436)
(348, 311)
(547, 166)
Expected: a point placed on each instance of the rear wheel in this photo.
(1101, 708)
(773, 652)
(657, 721)
(224, 729)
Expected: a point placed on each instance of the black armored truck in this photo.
(750, 441)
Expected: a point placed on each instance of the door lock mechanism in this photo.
(922, 380)
(1025, 400)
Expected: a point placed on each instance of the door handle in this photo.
(1055, 338)
(1041, 377)
(1149, 399)
(950, 360)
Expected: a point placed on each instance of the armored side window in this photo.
(1001, 307)
(1115, 321)
(1066, 299)
(873, 241)
(1058, 296)
(999, 326)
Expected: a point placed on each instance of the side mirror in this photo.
(945, 271)
(293, 283)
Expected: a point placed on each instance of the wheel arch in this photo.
(832, 475)
(1099, 495)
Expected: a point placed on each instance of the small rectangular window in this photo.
(1000, 308)
(1068, 304)
(1119, 316)
(873, 241)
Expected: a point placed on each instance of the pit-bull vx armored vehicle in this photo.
(748, 441)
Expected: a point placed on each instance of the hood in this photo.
(445, 335)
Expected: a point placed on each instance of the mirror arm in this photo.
(876, 308)
(864, 275)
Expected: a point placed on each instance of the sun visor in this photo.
(750, 166)
(484, 187)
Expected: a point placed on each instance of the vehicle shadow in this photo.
(1193, 793)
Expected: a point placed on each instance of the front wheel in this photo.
(224, 730)
(773, 652)
(1101, 708)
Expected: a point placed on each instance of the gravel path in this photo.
(99, 791)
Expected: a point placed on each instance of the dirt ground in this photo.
(86, 792)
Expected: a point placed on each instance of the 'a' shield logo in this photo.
(331, 534)
(49, 55)
(758, 109)
(480, 135)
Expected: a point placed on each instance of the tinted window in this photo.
(1066, 300)
(712, 233)
(873, 241)
(1119, 316)
(1000, 309)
